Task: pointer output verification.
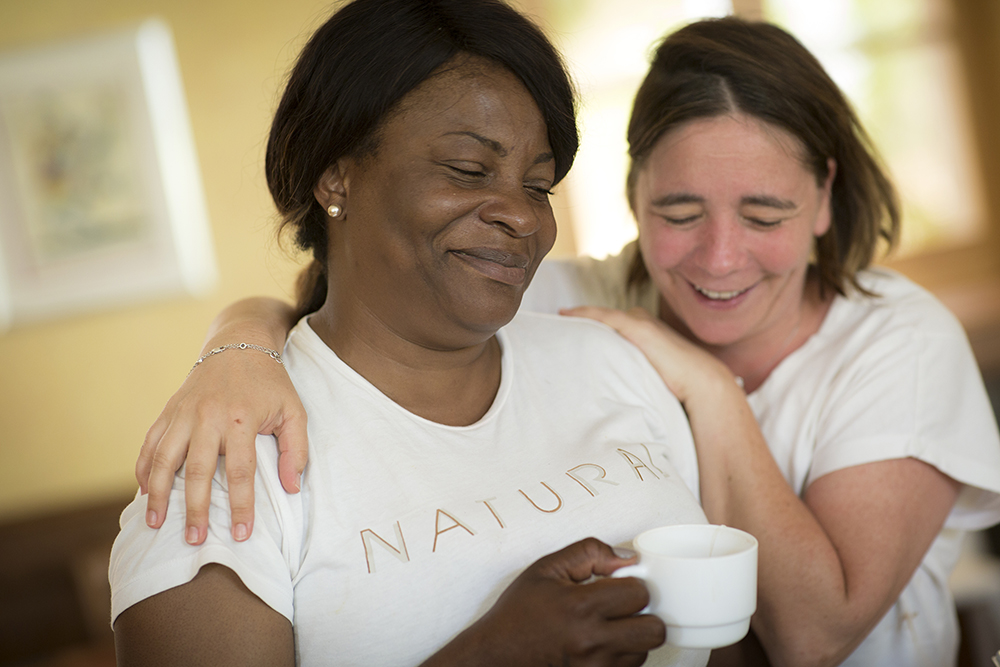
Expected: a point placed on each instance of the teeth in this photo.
(720, 296)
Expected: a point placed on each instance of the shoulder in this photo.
(888, 376)
(305, 349)
(587, 281)
(575, 339)
(559, 359)
(145, 562)
(899, 327)
(899, 304)
(898, 317)
(581, 352)
(316, 371)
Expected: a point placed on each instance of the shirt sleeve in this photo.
(913, 393)
(147, 561)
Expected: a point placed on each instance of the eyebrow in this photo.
(678, 198)
(498, 148)
(753, 200)
(770, 202)
(493, 145)
(544, 157)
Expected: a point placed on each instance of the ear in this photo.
(331, 188)
(825, 217)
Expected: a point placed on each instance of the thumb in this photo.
(581, 560)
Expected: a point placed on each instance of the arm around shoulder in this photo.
(265, 319)
(218, 410)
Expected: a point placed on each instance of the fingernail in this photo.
(240, 532)
(624, 552)
(151, 518)
(192, 535)
(298, 482)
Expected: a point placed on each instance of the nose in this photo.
(721, 246)
(513, 209)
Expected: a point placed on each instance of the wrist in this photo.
(713, 385)
(720, 417)
(258, 320)
(250, 331)
(274, 354)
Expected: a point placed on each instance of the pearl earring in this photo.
(334, 211)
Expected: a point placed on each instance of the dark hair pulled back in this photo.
(357, 68)
(721, 66)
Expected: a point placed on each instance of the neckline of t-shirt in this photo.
(829, 323)
(840, 315)
(304, 336)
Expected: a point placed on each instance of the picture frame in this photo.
(101, 201)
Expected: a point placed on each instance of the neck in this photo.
(753, 364)
(454, 385)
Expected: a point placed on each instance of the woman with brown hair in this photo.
(837, 410)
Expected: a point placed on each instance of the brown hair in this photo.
(355, 70)
(721, 66)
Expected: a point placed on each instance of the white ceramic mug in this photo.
(702, 582)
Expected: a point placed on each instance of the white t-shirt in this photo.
(407, 530)
(883, 378)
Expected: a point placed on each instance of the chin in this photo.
(493, 320)
(479, 319)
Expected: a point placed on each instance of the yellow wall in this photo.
(77, 395)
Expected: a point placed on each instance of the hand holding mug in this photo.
(702, 582)
(563, 609)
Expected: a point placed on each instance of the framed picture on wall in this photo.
(101, 202)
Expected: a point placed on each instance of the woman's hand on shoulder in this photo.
(687, 370)
(549, 615)
(219, 410)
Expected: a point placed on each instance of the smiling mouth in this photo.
(720, 296)
(504, 267)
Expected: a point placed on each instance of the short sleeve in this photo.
(147, 561)
(916, 393)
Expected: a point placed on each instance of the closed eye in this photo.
(467, 172)
(538, 192)
(679, 210)
(680, 221)
(760, 222)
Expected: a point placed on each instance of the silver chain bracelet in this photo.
(242, 346)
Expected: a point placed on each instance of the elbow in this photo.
(810, 656)
(819, 647)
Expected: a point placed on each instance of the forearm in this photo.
(259, 320)
(808, 609)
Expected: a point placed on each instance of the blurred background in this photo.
(78, 393)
